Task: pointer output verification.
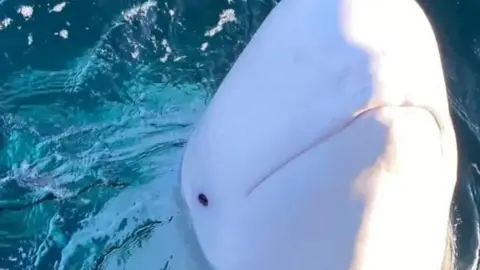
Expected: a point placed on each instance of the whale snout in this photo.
(333, 109)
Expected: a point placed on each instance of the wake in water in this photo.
(65, 172)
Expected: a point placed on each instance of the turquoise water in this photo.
(97, 99)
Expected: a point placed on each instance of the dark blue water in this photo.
(97, 99)
(456, 27)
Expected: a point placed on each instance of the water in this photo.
(97, 99)
(456, 27)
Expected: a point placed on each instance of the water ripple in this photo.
(94, 113)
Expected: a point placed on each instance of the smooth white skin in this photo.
(329, 144)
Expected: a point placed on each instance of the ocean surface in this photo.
(98, 97)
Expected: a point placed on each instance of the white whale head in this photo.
(319, 147)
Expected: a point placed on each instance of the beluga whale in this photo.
(328, 145)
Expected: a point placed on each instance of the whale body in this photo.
(328, 145)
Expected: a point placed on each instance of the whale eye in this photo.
(202, 199)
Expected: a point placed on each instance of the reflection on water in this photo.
(97, 99)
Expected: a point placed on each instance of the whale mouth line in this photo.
(325, 137)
